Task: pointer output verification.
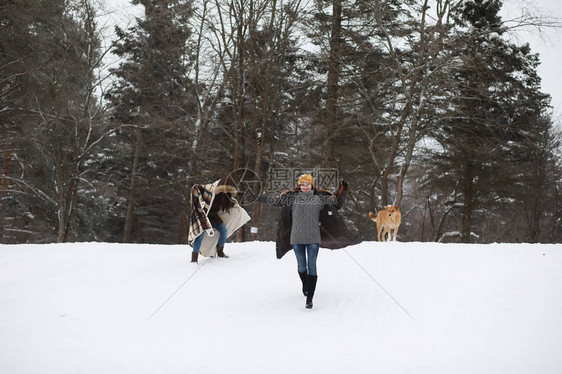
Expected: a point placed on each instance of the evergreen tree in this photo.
(51, 53)
(494, 107)
(151, 101)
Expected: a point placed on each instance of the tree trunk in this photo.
(6, 167)
(132, 190)
(238, 146)
(183, 219)
(261, 122)
(256, 216)
(193, 171)
(194, 163)
(4, 185)
(556, 222)
(59, 176)
(329, 159)
(538, 197)
(71, 197)
(468, 203)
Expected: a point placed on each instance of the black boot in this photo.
(303, 280)
(194, 256)
(220, 252)
(311, 287)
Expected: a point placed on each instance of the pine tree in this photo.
(494, 105)
(151, 100)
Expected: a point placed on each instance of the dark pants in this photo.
(301, 251)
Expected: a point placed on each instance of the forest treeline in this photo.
(428, 105)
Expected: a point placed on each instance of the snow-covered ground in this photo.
(379, 308)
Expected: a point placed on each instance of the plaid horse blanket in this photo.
(202, 197)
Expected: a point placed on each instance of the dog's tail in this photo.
(372, 216)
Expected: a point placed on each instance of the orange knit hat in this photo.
(306, 178)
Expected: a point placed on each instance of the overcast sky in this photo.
(547, 42)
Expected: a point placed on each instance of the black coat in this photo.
(333, 233)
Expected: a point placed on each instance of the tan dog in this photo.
(387, 219)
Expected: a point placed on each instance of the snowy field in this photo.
(379, 308)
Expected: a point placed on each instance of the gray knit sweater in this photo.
(306, 218)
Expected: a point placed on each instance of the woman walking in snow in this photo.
(213, 207)
(309, 220)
